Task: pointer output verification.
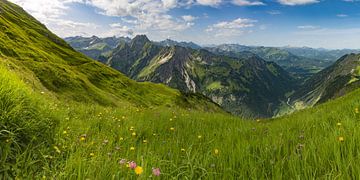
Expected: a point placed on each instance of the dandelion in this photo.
(64, 132)
(216, 151)
(139, 170)
(182, 150)
(154, 134)
(172, 129)
(156, 171)
(341, 139)
(145, 141)
(133, 134)
(356, 110)
(121, 138)
(131, 128)
(171, 119)
(199, 136)
(338, 124)
(132, 148)
(132, 165)
(123, 117)
(92, 154)
(82, 138)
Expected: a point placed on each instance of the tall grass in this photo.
(24, 127)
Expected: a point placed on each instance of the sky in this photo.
(332, 24)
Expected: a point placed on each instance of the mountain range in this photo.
(245, 80)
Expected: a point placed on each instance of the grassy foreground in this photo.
(55, 140)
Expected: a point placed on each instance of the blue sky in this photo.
(314, 23)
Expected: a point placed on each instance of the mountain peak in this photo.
(139, 41)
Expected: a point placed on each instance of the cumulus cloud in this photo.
(188, 18)
(209, 2)
(247, 3)
(297, 2)
(232, 28)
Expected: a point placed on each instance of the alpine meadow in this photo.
(85, 93)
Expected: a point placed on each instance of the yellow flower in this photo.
(171, 119)
(154, 134)
(338, 124)
(131, 128)
(139, 170)
(172, 129)
(216, 151)
(357, 110)
(82, 138)
(182, 150)
(132, 148)
(133, 134)
(258, 120)
(92, 154)
(121, 138)
(145, 141)
(123, 117)
(199, 136)
(64, 132)
(8, 140)
(341, 139)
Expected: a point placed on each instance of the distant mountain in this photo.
(169, 42)
(247, 85)
(95, 47)
(299, 66)
(332, 82)
(319, 53)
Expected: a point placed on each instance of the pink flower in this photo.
(156, 171)
(132, 165)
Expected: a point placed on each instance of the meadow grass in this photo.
(322, 142)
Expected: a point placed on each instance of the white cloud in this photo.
(188, 18)
(297, 2)
(248, 3)
(307, 27)
(231, 28)
(342, 15)
(274, 12)
(209, 2)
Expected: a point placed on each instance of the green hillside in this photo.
(40, 56)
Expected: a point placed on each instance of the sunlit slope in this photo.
(27, 45)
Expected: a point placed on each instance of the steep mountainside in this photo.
(247, 86)
(95, 47)
(332, 82)
(324, 54)
(49, 65)
(299, 66)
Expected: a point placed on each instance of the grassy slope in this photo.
(302, 145)
(39, 55)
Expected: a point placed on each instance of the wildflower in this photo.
(64, 132)
(117, 148)
(156, 171)
(182, 150)
(154, 134)
(171, 119)
(121, 138)
(341, 139)
(82, 138)
(132, 148)
(123, 117)
(139, 170)
(338, 124)
(356, 110)
(172, 129)
(92, 154)
(145, 141)
(258, 120)
(133, 134)
(131, 128)
(132, 165)
(7, 141)
(122, 161)
(199, 136)
(216, 151)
